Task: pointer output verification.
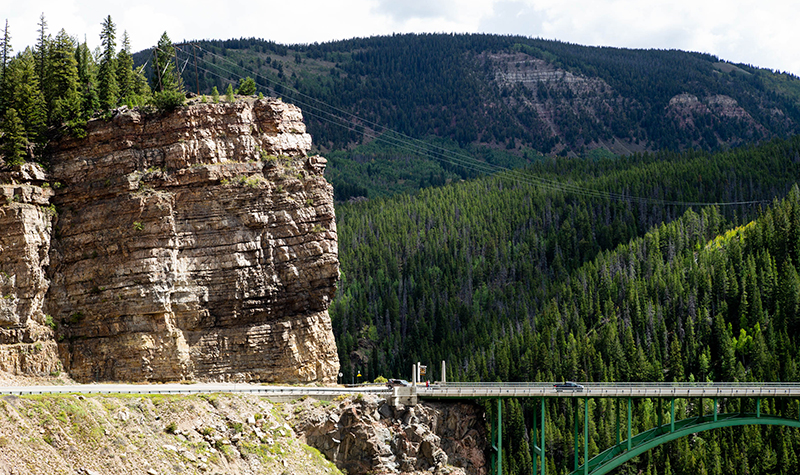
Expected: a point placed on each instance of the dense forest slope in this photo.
(508, 279)
(447, 273)
(483, 93)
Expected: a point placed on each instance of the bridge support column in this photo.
(715, 409)
(630, 401)
(617, 401)
(535, 451)
(660, 411)
(538, 444)
(585, 437)
(541, 447)
(672, 416)
(576, 463)
(758, 407)
(499, 437)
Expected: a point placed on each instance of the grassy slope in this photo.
(150, 434)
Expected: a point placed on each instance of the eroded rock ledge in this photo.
(199, 244)
(364, 435)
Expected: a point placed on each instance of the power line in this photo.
(330, 114)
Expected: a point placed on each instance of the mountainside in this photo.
(601, 276)
(197, 244)
(518, 95)
(448, 272)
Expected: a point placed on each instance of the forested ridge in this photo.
(506, 99)
(509, 280)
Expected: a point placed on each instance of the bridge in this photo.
(631, 446)
(624, 449)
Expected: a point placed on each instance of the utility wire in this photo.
(322, 111)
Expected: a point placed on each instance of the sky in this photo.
(762, 33)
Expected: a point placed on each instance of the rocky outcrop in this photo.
(26, 336)
(687, 110)
(199, 244)
(551, 99)
(365, 435)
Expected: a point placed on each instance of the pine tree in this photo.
(86, 80)
(140, 86)
(41, 49)
(6, 51)
(5, 88)
(107, 88)
(247, 87)
(166, 81)
(26, 96)
(14, 142)
(165, 77)
(229, 93)
(125, 72)
(215, 94)
(61, 85)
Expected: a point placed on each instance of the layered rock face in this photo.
(26, 336)
(200, 244)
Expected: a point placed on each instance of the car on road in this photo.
(568, 386)
(392, 383)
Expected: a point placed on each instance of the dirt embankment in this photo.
(152, 435)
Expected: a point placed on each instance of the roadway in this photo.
(284, 392)
(609, 390)
(437, 391)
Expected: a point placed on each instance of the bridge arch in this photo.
(619, 454)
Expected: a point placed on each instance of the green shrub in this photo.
(168, 100)
(247, 87)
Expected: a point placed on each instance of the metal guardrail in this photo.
(441, 390)
(191, 389)
(639, 389)
(641, 384)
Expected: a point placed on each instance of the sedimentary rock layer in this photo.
(199, 244)
(27, 345)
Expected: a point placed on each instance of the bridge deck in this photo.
(638, 390)
(199, 388)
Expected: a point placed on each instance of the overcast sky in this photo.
(764, 33)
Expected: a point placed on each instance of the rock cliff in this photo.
(364, 435)
(27, 344)
(199, 244)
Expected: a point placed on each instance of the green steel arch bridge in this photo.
(629, 446)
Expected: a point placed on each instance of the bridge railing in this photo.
(636, 389)
(624, 385)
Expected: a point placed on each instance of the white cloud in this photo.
(759, 33)
(762, 33)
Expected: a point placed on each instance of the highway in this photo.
(284, 392)
(437, 391)
(648, 390)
